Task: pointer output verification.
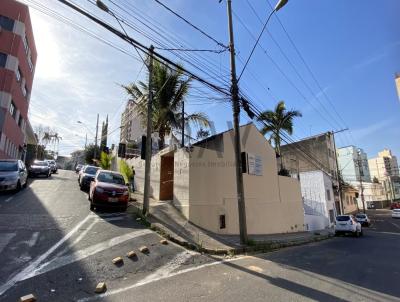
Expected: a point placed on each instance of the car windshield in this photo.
(360, 216)
(91, 170)
(343, 218)
(8, 166)
(111, 178)
(40, 163)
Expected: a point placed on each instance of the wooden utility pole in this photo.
(95, 139)
(237, 146)
(146, 192)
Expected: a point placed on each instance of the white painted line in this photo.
(160, 274)
(82, 254)
(31, 242)
(9, 199)
(390, 233)
(395, 225)
(5, 240)
(19, 276)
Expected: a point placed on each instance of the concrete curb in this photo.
(255, 247)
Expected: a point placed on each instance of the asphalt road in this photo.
(53, 246)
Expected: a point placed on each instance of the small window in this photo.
(3, 59)
(24, 91)
(30, 62)
(25, 41)
(18, 75)
(222, 223)
(6, 23)
(328, 194)
(20, 120)
(13, 110)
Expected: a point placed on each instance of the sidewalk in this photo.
(169, 222)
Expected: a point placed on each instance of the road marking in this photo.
(157, 276)
(390, 233)
(19, 276)
(395, 225)
(82, 254)
(5, 240)
(31, 242)
(9, 199)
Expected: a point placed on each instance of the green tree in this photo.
(170, 87)
(105, 160)
(126, 171)
(89, 154)
(278, 120)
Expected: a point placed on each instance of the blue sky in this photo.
(352, 48)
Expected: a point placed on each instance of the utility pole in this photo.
(337, 169)
(183, 124)
(237, 147)
(146, 192)
(85, 140)
(95, 140)
(360, 171)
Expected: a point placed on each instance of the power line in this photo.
(191, 24)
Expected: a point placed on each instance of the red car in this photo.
(108, 189)
(395, 205)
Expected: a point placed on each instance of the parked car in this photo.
(80, 173)
(108, 189)
(370, 206)
(396, 213)
(40, 167)
(13, 175)
(363, 219)
(347, 224)
(87, 175)
(78, 168)
(395, 205)
(53, 165)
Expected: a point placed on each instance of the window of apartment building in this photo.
(328, 194)
(18, 75)
(24, 91)
(13, 110)
(26, 45)
(3, 59)
(30, 62)
(6, 23)
(20, 121)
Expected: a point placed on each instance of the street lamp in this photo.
(280, 4)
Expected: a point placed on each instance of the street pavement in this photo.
(51, 245)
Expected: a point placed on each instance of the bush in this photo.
(126, 170)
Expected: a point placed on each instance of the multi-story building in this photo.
(310, 154)
(353, 164)
(17, 67)
(131, 124)
(397, 80)
(385, 169)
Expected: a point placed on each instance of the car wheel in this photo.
(91, 207)
(18, 188)
(124, 208)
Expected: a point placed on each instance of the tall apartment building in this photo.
(353, 164)
(17, 67)
(131, 126)
(386, 169)
(384, 165)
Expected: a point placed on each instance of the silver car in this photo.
(13, 174)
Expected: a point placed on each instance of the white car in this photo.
(396, 213)
(13, 175)
(347, 224)
(363, 219)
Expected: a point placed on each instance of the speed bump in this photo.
(100, 288)
(144, 249)
(118, 260)
(28, 298)
(131, 254)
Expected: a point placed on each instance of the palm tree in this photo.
(170, 88)
(279, 120)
